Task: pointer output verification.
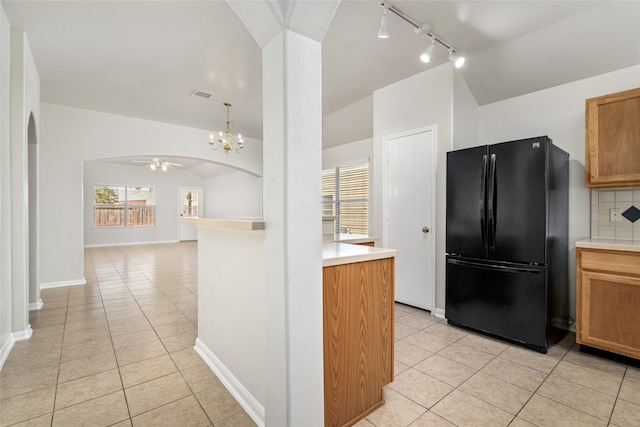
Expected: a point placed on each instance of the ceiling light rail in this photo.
(427, 29)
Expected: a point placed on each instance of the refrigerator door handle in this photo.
(505, 269)
(491, 200)
(483, 202)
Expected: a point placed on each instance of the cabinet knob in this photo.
(425, 229)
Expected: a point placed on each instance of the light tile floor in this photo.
(119, 351)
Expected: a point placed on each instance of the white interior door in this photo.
(409, 203)
(191, 205)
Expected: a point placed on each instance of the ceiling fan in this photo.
(156, 163)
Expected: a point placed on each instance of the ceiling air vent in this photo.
(200, 93)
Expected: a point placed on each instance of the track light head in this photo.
(383, 32)
(458, 61)
(426, 55)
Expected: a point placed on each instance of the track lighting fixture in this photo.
(458, 61)
(383, 33)
(426, 55)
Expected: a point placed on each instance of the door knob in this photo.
(425, 229)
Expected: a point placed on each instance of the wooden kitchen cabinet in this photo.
(358, 338)
(608, 300)
(612, 140)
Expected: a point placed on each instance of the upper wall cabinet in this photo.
(612, 152)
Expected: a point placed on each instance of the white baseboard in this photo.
(6, 349)
(104, 245)
(439, 313)
(235, 387)
(33, 306)
(51, 285)
(23, 335)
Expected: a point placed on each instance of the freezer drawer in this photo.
(501, 299)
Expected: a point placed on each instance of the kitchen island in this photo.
(357, 318)
(608, 295)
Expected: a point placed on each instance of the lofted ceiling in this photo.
(144, 58)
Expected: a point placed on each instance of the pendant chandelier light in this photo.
(225, 140)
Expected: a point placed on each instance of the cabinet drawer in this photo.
(610, 261)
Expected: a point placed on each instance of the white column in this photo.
(19, 191)
(292, 147)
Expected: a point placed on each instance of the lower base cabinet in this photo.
(608, 300)
(358, 338)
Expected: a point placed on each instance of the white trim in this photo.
(131, 243)
(434, 155)
(23, 335)
(235, 387)
(6, 349)
(439, 313)
(36, 305)
(62, 284)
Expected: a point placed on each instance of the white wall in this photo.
(419, 101)
(5, 189)
(25, 103)
(231, 312)
(71, 136)
(166, 185)
(559, 113)
(348, 153)
(465, 114)
(233, 195)
(351, 123)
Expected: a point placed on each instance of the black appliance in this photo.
(507, 240)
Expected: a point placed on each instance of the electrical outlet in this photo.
(615, 215)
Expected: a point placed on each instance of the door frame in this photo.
(385, 216)
(181, 225)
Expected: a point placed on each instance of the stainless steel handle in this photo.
(425, 229)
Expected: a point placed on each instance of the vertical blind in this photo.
(345, 195)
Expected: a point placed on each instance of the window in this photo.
(345, 195)
(124, 206)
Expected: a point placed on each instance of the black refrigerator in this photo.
(507, 240)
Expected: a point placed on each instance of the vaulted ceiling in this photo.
(144, 58)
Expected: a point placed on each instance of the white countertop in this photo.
(334, 253)
(609, 244)
(349, 238)
(243, 224)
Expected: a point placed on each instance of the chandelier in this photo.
(225, 139)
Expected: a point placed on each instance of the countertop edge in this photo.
(609, 244)
(334, 253)
(226, 224)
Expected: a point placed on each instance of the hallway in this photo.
(118, 350)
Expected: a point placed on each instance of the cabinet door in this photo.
(608, 312)
(358, 338)
(612, 157)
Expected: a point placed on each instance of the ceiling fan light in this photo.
(164, 167)
(152, 166)
(383, 32)
(458, 61)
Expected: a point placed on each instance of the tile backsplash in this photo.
(603, 201)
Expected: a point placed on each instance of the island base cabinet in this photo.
(608, 301)
(358, 338)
